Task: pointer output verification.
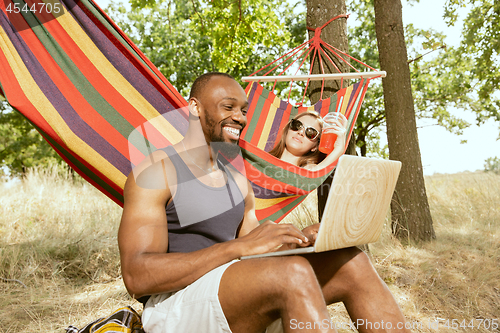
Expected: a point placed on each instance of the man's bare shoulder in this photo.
(155, 172)
(150, 183)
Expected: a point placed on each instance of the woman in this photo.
(300, 141)
(299, 146)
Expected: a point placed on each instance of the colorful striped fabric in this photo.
(123, 320)
(85, 87)
(279, 186)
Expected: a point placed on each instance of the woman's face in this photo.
(297, 143)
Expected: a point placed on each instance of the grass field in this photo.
(59, 262)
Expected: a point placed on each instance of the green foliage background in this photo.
(186, 39)
(21, 146)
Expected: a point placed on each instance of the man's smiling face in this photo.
(223, 110)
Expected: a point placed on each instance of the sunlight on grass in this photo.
(452, 277)
(58, 237)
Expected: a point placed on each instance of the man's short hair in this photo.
(200, 83)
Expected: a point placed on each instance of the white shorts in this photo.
(195, 308)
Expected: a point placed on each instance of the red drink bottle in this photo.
(327, 142)
(328, 138)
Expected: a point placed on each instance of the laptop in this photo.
(356, 207)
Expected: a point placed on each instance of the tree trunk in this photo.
(411, 218)
(362, 149)
(335, 33)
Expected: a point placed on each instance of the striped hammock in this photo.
(280, 186)
(86, 87)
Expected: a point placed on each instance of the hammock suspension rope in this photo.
(319, 49)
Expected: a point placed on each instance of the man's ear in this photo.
(194, 107)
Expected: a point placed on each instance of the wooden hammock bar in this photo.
(315, 77)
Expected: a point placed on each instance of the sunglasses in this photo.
(310, 132)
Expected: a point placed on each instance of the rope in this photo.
(319, 48)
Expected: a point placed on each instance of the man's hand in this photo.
(269, 236)
(310, 232)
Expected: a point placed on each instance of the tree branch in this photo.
(421, 56)
(199, 15)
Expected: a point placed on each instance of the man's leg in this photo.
(347, 275)
(253, 293)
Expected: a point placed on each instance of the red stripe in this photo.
(160, 80)
(251, 106)
(92, 74)
(266, 212)
(263, 115)
(72, 95)
(90, 180)
(19, 101)
(285, 165)
(325, 107)
(17, 98)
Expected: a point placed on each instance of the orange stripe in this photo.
(262, 114)
(16, 97)
(72, 95)
(266, 212)
(160, 78)
(92, 74)
(325, 108)
(18, 100)
(114, 78)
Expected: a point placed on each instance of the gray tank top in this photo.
(199, 215)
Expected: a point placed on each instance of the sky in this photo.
(441, 151)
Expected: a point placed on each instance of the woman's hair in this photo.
(309, 157)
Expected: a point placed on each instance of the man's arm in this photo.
(143, 243)
(251, 222)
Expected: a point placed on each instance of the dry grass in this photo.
(455, 276)
(58, 236)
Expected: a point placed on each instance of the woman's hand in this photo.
(339, 128)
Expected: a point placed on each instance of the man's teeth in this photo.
(232, 130)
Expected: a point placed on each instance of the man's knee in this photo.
(357, 267)
(296, 275)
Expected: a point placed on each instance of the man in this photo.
(176, 245)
